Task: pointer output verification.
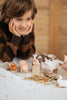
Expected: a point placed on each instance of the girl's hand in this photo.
(64, 66)
(13, 28)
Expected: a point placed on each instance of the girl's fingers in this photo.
(15, 31)
(11, 25)
(12, 28)
(30, 29)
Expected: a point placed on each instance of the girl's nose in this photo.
(24, 24)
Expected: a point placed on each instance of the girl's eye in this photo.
(28, 18)
(19, 19)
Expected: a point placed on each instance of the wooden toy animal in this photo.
(23, 65)
(36, 63)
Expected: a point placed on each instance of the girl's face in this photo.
(24, 22)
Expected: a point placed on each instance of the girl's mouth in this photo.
(23, 29)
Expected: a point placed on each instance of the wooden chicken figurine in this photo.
(13, 67)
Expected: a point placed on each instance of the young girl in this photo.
(17, 29)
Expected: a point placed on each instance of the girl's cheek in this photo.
(16, 24)
(30, 23)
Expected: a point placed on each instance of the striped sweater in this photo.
(13, 46)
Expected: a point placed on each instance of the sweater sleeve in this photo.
(8, 50)
(27, 47)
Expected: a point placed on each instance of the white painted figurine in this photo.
(62, 82)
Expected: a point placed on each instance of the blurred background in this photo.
(51, 27)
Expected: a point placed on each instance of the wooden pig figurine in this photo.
(23, 65)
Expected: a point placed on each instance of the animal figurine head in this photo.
(23, 65)
(37, 59)
(48, 57)
(47, 61)
(36, 63)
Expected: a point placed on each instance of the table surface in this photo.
(13, 87)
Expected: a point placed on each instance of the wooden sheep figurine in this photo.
(36, 63)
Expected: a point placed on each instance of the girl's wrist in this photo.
(15, 40)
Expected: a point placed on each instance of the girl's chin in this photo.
(23, 33)
(23, 30)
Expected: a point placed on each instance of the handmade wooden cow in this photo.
(51, 65)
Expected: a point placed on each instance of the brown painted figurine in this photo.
(13, 67)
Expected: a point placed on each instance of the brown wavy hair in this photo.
(16, 8)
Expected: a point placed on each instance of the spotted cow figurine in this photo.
(36, 63)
